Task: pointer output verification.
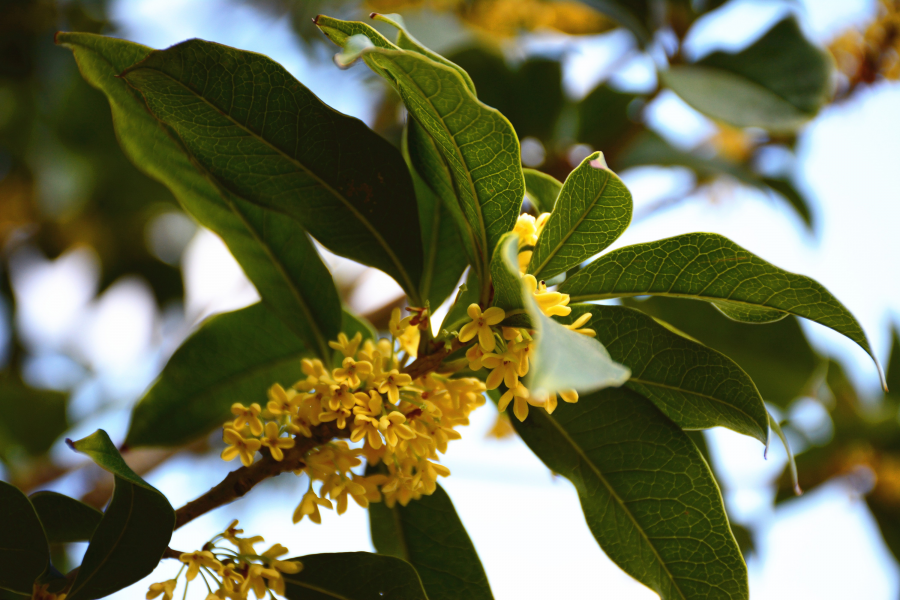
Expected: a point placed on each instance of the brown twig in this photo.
(430, 362)
(239, 482)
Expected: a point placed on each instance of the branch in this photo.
(430, 362)
(239, 482)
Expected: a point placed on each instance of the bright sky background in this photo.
(527, 525)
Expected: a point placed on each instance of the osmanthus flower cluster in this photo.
(232, 570)
(390, 419)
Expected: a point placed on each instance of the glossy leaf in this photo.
(777, 83)
(429, 535)
(467, 294)
(706, 266)
(508, 293)
(541, 189)
(444, 258)
(478, 144)
(647, 494)
(266, 138)
(562, 359)
(30, 419)
(353, 576)
(777, 356)
(593, 209)
(24, 553)
(695, 386)
(133, 534)
(271, 248)
(234, 357)
(65, 519)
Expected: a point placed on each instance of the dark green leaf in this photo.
(695, 386)
(541, 189)
(647, 494)
(893, 365)
(233, 357)
(353, 576)
(30, 419)
(786, 190)
(24, 553)
(631, 14)
(706, 266)
(271, 248)
(444, 259)
(467, 294)
(593, 209)
(352, 324)
(888, 519)
(133, 534)
(266, 138)
(603, 117)
(792, 464)
(777, 83)
(507, 282)
(428, 534)
(478, 144)
(65, 519)
(777, 357)
(562, 359)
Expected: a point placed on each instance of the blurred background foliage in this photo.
(68, 196)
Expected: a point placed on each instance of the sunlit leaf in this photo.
(24, 553)
(234, 357)
(777, 83)
(274, 253)
(133, 533)
(706, 266)
(593, 209)
(65, 519)
(647, 494)
(541, 189)
(353, 576)
(695, 386)
(428, 534)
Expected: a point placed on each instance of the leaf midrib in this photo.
(614, 495)
(381, 241)
(555, 250)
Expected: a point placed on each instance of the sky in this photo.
(526, 524)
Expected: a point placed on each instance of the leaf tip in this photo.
(373, 15)
(315, 19)
(599, 162)
(71, 444)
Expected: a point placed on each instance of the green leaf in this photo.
(429, 535)
(706, 266)
(647, 494)
(352, 323)
(603, 117)
(695, 386)
(133, 534)
(353, 576)
(508, 293)
(634, 15)
(478, 143)
(777, 357)
(24, 553)
(270, 247)
(65, 519)
(234, 357)
(444, 258)
(541, 189)
(562, 359)
(792, 464)
(266, 138)
(778, 83)
(593, 209)
(30, 419)
(893, 366)
(792, 195)
(467, 294)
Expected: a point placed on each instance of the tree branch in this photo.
(430, 362)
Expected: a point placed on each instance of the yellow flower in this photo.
(245, 545)
(570, 396)
(365, 426)
(505, 368)
(552, 304)
(474, 355)
(521, 399)
(309, 506)
(396, 325)
(238, 445)
(409, 340)
(281, 401)
(247, 416)
(195, 560)
(481, 326)
(340, 415)
(341, 396)
(577, 326)
(232, 531)
(347, 347)
(352, 371)
(274, 442)
(394, 428)
(285, 566)
(392, 383)
(167, 588)
(254, 581)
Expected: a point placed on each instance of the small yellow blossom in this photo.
(309, 506)
(247, 416)
(166, 588)
(520, 397)
(281, 401)
(238, 445)
(552, 304)
(352, 371)
(391, 384)
(195, 560)
(396, 325)
(274, 442)
(39, 592)
(578, 325)
(504, 368)
(481, 326)
(285, 566)
(474, 355)
(346, 346)
(231, 578)
(394, 428)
